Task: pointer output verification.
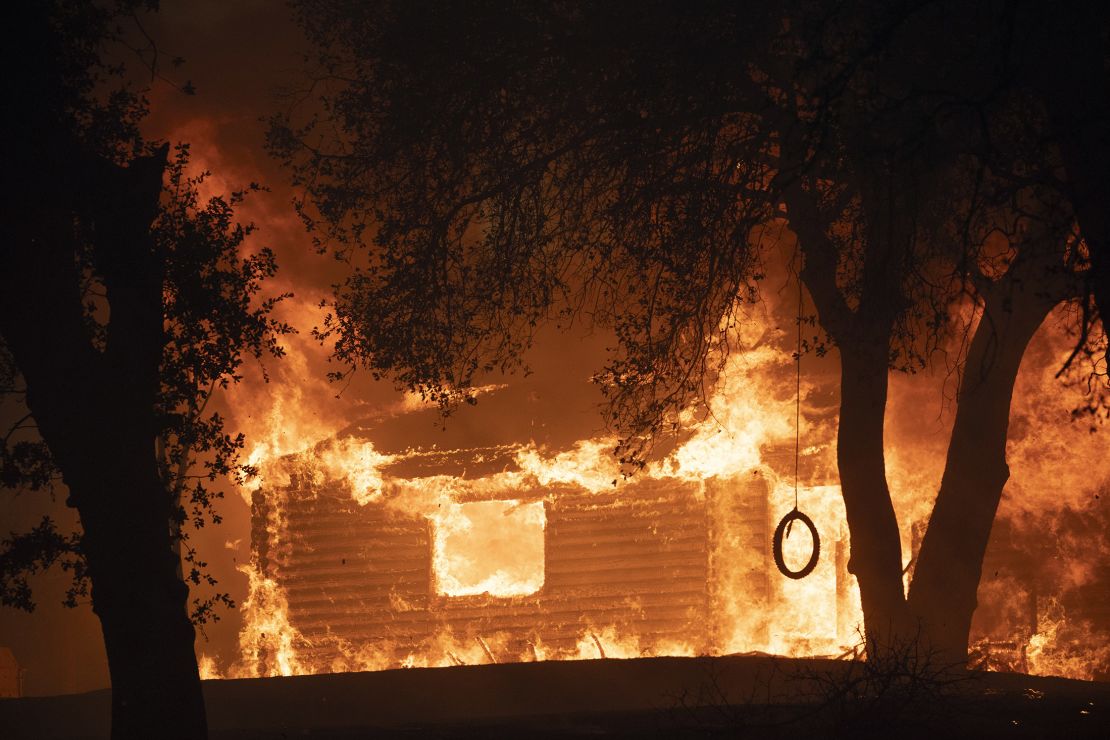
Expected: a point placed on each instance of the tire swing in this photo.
(783, 530)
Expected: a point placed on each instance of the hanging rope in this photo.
(798, 393)
(787, 523)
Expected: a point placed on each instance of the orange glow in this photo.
(494, 541)
(489, 547)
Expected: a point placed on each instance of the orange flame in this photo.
(488, 537)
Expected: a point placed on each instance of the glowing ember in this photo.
(489, 547)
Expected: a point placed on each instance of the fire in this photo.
(1062, 647)
(357, 465)
(489, 547)
(589, 464)
(208, 667)
(831, 615)
(488, 538)
(743, 417)
(268, 648)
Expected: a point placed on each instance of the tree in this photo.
(614, 163)
(124, 303)
(1041, 274)
(865, 308)
(607, 185)
(937, 92)
(870, 321)
(922, 151)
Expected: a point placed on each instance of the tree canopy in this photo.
(491, 167)
(579, 161)
(572, 164)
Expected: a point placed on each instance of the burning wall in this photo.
(384, 584)
(507, 568)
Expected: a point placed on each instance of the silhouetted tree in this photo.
(856, 228)
(601, 161)
(124, 303)
(896, 318)
(616, 162)
(926, 150)
(955, 88)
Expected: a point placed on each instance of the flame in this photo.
(276, 409)
(588, 464)
(267, 642)
(489, 547)
(357, 464)
(1063, 647)
(208, 668)
(487, 532)
(829, 622)
(743, 417)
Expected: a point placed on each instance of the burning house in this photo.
(509, 567)
(366, 556)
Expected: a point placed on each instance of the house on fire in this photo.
(655, 565)
(672, 565)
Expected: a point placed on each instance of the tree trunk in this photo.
(95, 409)
(137, 592)
(950, 563)
(139, 597)
(876, 551)
(863, 338)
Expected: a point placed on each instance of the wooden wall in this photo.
(360, 577)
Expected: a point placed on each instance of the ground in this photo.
(731, 696)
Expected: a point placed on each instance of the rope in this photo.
(798, 388)
(787, 523)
